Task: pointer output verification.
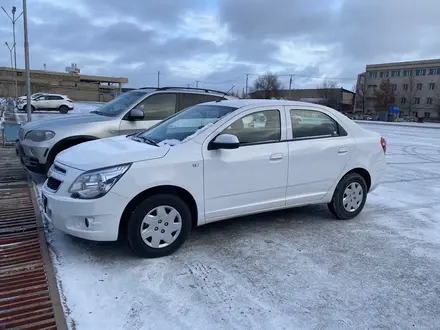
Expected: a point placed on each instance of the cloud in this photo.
(218, 42)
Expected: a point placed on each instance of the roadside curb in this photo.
(395, 124)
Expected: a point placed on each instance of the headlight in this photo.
(97, 183)
(39, 136)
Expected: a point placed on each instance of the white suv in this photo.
(49, 102)
(211, 162)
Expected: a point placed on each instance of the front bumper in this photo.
(32, 162)
(96, 219)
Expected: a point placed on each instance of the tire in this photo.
(63, 109)
(159, 226)
(32, 108)
(355, 203)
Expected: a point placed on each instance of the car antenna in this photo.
(226, 93)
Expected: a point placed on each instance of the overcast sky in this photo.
(218, 41)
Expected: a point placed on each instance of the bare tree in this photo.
(268, 86)
(362, 101)
(410, 94)
(328, 92)
(385, 95)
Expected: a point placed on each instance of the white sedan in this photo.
(206, 164)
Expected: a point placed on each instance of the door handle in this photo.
(342, 151)
(276, 156)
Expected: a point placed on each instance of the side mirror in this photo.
(224, 141)
(135, 114)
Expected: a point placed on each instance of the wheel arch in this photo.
(363, 173)
(163, 189)
(67, 143)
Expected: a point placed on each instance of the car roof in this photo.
(189, 90)
(240, 103)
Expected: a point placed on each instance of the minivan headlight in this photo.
(97, 183)
(39, 135)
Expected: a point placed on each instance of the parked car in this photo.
(48, 102)
(131, 112)
(204, 164)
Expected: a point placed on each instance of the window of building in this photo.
(420, 72)
(393, 100)
(372, 74)
(258, 127)
(394, 87)
(431, 86)
(432, 71)
(384, 74)
(372, 86)
(403, 100)
(417, 100)
(438, 71)
(309, 124)
(415, 114)
(158, 106)
(407, 73)
(419, 87)
(395, 73)
(427, 115)
(19, 74)
(405, 87)
(429, 100)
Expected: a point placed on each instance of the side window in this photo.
(54, 98)
(189, 99)
(308, 124)
(158, 106)
(258, 127)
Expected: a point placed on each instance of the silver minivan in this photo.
(134, 111)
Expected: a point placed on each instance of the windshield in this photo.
(120, 104)
(186, 123)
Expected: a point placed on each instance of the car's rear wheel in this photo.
(159, 226)
(349, 197)
(63, 109)
(32, 108)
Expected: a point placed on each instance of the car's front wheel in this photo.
(159, 226)
(349, 197)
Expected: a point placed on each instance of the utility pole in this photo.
(290, 86)
(27, 65)
(13, 20)
(247, 80)
(197, 83)
(158, 79)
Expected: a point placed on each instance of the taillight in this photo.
(383, 143)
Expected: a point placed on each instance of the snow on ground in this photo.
(294, 269)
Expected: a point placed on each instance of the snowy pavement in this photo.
(294, 269)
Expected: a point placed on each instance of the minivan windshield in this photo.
(120, 104)
(184, 124)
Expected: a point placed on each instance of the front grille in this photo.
(21, 134)
(53, 183)
(59, 169)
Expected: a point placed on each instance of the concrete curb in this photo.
(396, 124)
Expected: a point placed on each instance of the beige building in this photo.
(416, 88)
(78, 87)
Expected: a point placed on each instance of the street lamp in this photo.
(13, 20)
(26, 62)
(10, 52)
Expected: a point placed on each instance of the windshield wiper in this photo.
(97, 112)
(147, 140)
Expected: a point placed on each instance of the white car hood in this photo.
(109, 152)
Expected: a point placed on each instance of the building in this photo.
(415, 86)
(340, 99)
(78, 87)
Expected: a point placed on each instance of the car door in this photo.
(40, 102)
(319, 150)
(156, 107)
(253, 177)
(53, 101)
